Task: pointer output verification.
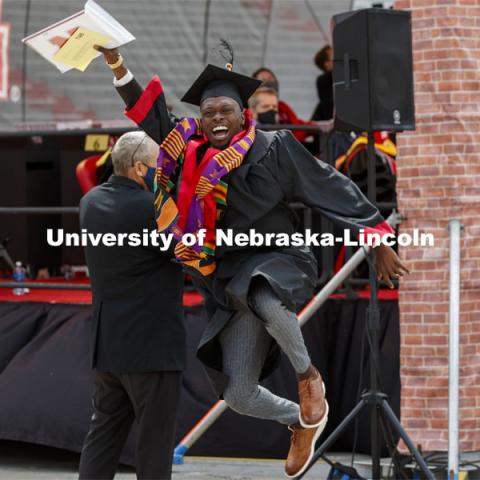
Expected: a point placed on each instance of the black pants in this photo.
(151, 399)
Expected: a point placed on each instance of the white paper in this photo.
(47, 41)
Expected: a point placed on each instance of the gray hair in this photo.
(132, 147)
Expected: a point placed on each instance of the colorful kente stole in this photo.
(201, 188)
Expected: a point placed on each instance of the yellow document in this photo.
(78, 51)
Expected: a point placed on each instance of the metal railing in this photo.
(325, 129)
(38, 210)
(321, 126)
(67, 132)
(47, 285)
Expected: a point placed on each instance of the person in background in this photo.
(286, 115)
(263, 105)
(138, 337)
(324, 61)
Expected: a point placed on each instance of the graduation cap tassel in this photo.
(227, 53)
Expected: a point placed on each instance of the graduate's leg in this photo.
(245, 345)
(109, 427)
(282, 324)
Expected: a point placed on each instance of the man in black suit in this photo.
(138, 337)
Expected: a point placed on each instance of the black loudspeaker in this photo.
(373, 71)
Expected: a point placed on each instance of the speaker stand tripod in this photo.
(374, 399)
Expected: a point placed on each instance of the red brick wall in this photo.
(439, 178)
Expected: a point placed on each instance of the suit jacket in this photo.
(137, 291)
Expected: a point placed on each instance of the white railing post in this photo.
(454, 348)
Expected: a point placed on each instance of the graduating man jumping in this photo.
(228, 175)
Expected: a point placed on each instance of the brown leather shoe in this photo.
(313, 405)
(302, 448)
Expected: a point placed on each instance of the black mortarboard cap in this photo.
(221, 82)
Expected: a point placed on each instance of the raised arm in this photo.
(146, 107)
(321, 187)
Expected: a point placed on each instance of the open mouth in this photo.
(220, 132)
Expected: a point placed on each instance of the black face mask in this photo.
(267, 118)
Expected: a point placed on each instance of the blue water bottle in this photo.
(18, 276)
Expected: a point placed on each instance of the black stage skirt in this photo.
(291, 273)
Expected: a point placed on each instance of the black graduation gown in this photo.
(276, 171)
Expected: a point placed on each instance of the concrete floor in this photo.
(22, 461)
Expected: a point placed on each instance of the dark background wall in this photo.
(39, 171)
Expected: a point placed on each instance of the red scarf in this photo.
(191, 173)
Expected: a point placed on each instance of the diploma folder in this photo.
(93, 24)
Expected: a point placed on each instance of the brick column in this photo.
(439, 179)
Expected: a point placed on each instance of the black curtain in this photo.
(46, 381)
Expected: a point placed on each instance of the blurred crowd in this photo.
(345, 150)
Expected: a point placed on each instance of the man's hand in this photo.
(111, 56)
(389, 266)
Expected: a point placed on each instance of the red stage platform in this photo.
(84, 297)
(77, 297)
